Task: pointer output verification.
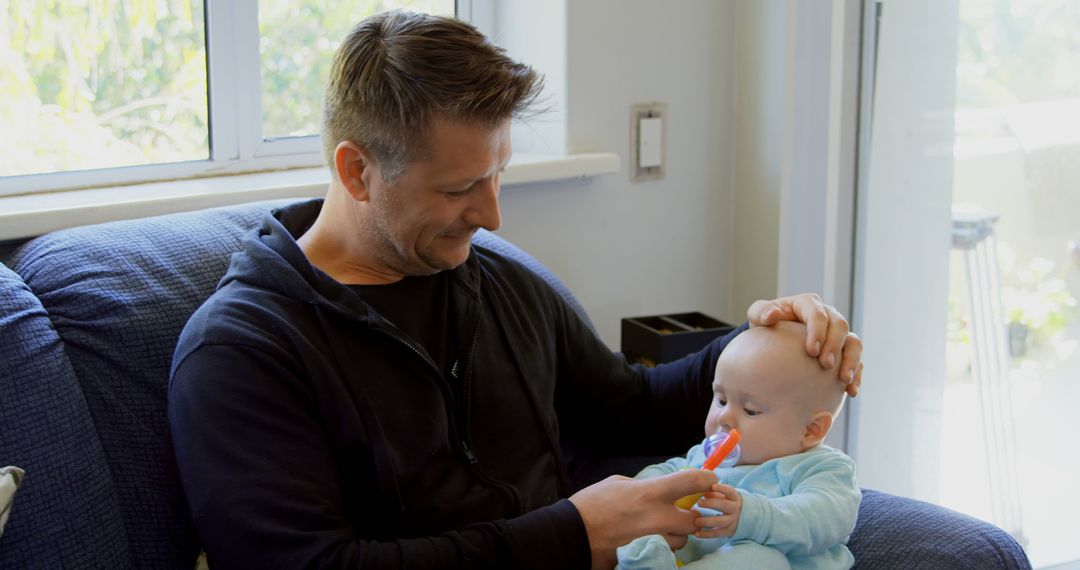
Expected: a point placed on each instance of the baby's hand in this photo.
(728, 501)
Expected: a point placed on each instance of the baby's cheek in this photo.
(712, 421)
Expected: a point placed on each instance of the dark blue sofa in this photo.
(88, 320)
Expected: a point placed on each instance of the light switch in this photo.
(650, 142)
(648, 149)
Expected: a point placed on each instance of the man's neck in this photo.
(332, 244)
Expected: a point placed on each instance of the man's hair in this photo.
(396, 71)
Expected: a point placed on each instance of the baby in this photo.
(790, 502)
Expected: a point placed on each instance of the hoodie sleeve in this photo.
(819, 513)
(645, 411)
(692, 459)
(263, 490)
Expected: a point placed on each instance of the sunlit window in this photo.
(296, 43)
(101, 85)
(91, 87)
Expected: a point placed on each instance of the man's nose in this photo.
(484, 210)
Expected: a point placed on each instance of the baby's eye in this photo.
(750, 412)
(722, 402)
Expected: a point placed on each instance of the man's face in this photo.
(425, 220)
(755, 393)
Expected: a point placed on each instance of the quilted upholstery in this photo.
(70, 506)
(88, 322)
(899, 533)
(118, 294)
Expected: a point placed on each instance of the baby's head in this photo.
(774, 393)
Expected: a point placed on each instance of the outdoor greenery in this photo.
(104, 83)
(97, 83)
(1037, 297)
(296, 44)
(1014, 51)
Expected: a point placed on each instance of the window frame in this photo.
(234, 101)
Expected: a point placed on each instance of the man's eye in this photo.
(750, 412)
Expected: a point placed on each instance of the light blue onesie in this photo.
(797, 512)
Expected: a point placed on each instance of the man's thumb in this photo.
(686, 482)
(763, 313)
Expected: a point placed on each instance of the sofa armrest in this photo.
(896, 532)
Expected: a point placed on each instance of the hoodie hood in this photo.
(271, 259)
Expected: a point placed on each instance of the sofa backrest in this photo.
(118, 294)
(99, 316)
(66, 513)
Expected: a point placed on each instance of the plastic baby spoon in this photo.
(723, 451)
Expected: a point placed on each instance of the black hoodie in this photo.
(311, 432)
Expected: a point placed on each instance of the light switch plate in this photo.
(648, 141)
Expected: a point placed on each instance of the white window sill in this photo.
(35, 214)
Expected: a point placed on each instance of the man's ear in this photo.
(355, 169)
(817, 429)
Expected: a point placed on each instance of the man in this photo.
(366, 389)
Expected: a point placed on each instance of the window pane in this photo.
(101, 84)
(296, 43)
(971, 274)
(1016, 163)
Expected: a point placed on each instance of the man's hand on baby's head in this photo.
(728, 501)
(827, 335)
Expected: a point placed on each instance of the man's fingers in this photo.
(763, 313)
(852, 356)
(853, 388)
(810, 309)
(835, 338)
(828, 335)
(675, 486)
(676, 541)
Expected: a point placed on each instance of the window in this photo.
(970, 271)
(119, 85)
(99, 93)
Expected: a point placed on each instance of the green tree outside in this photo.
(106, 83)
(100, 83)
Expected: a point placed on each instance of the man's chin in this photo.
(442, 261)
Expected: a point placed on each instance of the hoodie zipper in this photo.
(455, 429)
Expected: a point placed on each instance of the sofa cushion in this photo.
(896, 532)
(118, 294)
(68, 515)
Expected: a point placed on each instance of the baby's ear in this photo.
(817, 429)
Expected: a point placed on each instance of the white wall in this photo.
(796, 89)
(707, 237)
(760, 33)
(624, 248)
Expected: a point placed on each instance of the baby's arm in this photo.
(819, 513)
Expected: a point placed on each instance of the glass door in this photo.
(968, 263)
